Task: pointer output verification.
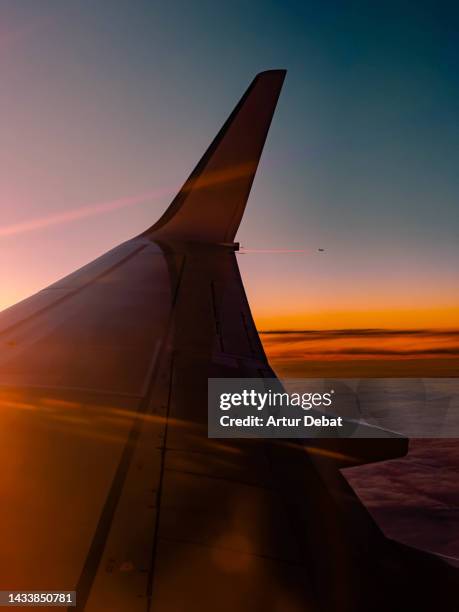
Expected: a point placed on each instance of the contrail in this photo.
(230, 175)
(243, 251)
(80, 213)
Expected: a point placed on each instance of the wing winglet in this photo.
(210, 205)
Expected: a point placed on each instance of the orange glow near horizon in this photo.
(359, 343)
(391, 318)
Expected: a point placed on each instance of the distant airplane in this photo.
(110, 485)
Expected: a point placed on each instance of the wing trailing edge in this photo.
(210, 205)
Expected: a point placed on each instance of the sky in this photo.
(107, 105)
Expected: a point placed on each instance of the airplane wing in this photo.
(110, 486)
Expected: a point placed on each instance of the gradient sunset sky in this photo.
(107, 105)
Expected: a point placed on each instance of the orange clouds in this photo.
(364, 352)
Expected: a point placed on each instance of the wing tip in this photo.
(214, 224)
(281, 72)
